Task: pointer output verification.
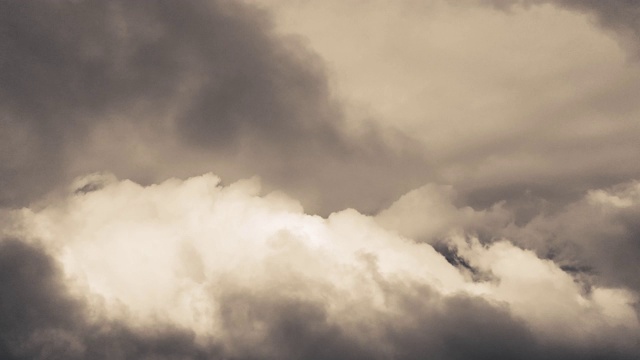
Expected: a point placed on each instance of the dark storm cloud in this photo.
(64, 65)
(40, 320)
(211, 76)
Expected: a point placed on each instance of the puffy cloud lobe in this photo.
(595, 238)
(430, 213)
(255, 278)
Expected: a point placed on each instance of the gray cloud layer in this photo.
(533, 105)
(154, 90)
(173, 89)
(611, 104)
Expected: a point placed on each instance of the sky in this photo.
(298, 179)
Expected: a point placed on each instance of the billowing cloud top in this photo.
(228, 271)
(406, 180)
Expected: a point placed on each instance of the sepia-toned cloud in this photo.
(250, 276)
(393, 180)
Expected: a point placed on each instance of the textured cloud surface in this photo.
(176, 89)
(393, 180)
(250, 276)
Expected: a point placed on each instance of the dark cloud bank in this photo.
(158, 89)
(175, 89)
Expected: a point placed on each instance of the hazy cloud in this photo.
(159, 89)
(532, 105)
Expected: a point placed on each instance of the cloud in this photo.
(253, 277)
(620, 16)
(597, 234)
(41, 320)
(528, 115)
(594, 237)
(532, 105)
(431, 213)
(159, 89)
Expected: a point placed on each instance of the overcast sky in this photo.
(336, 179)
